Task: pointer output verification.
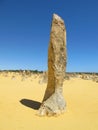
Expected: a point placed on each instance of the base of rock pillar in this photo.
(53, 106)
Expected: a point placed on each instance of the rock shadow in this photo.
(30, 103)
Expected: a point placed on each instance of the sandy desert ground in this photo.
(20, 99)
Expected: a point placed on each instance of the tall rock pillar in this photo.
(53, 101)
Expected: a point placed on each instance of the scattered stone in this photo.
(95, 79)
(43, 78)
(13, 77)
(67, 77)
(86, 77)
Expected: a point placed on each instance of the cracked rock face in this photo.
(53, 101)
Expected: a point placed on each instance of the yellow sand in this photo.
(81, 112)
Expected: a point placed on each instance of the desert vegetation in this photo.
(43, 75)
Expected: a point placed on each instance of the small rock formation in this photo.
(95, 79)
(53, 101)
(43, 78)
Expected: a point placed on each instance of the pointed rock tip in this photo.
(55, 16)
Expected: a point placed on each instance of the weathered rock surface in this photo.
(53, 101)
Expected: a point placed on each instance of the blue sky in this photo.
(25, 30)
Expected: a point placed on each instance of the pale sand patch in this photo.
(19, 101)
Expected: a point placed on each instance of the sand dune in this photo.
(20, 100)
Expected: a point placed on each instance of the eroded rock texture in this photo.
(53, 101)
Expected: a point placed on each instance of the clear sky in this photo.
(25, 30)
